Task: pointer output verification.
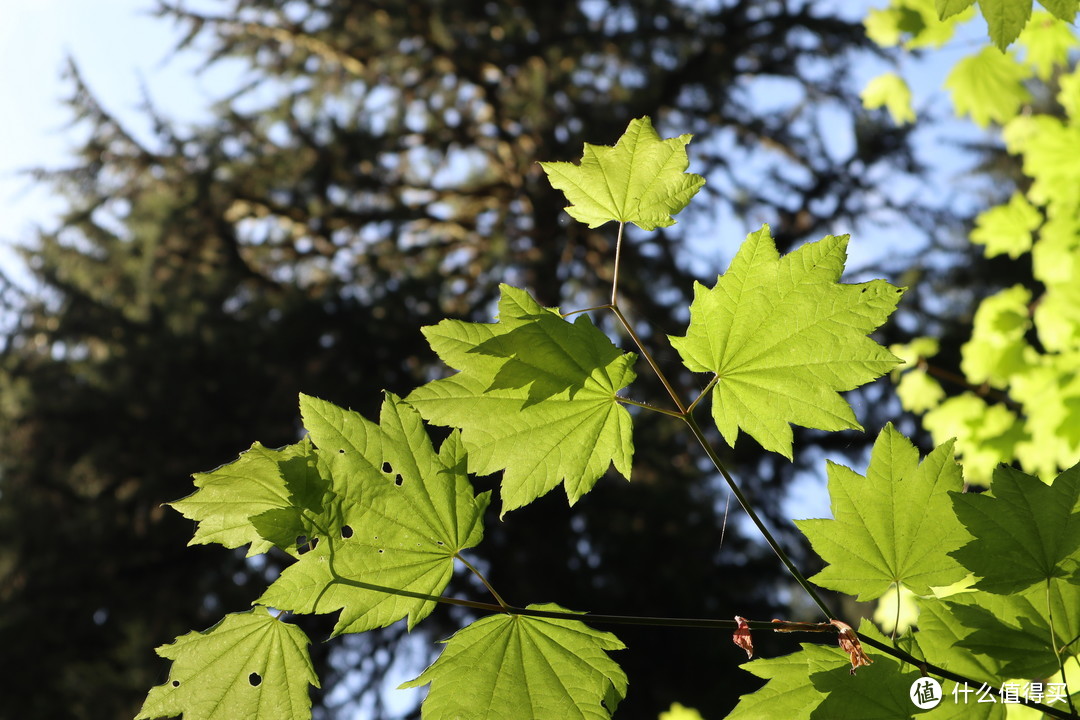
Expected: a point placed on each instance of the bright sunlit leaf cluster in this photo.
(372, 519)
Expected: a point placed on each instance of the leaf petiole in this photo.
(648, 357)
(647, 406)
(585, 310)
(701, 396)
(615, 273)
(1054, 646)
(483, 579)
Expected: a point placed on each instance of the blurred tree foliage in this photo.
(374, 172)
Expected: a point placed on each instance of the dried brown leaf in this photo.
(849, 641)
(742, 636)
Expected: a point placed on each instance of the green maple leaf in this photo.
(788, 693)
(1062, 9)
(260, 481)
(1025, 531)
(989, 86)
(408, 513)
(947, 8)
(998, 349)
(886, 26)
(1006, 229)
(1005, 19)
(939, 640)
(517, 666)
(250, 665)
(985, 434)
(536, 398)
(1013, 631)
(918, 392)
(641, 179)
(1047, 145)
(310, 498)
(893, 526)
(1047, 43)
(918, 23)
(784, 337)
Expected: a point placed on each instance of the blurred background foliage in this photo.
(376, 171)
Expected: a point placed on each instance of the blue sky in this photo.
(119, 47)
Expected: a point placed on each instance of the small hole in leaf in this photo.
(255, 679)
(863, 290)
(314, 542)
(899, 290)
(439, 542)
(386, 468)
(176, 683)
(346, 532)
(381, 551)
(341, 451)
(398, 481)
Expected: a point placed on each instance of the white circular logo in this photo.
(925, 693)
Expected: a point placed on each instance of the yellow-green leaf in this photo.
(784, 338)
(989, 86)
(918, 392)
(1047, 42)
(986, 435)
(1062, 9)
(998, 348)
(403, 513)
(917, 23)
(891, 92)
(535, 398)
(518, 666)
(947, 8)
(250, 665)
(1007, 229)
(678, 711)
(816, 683)
(1069, 97)
(1005, 19)
(641, 180)
(260, 481)
(876, 539)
